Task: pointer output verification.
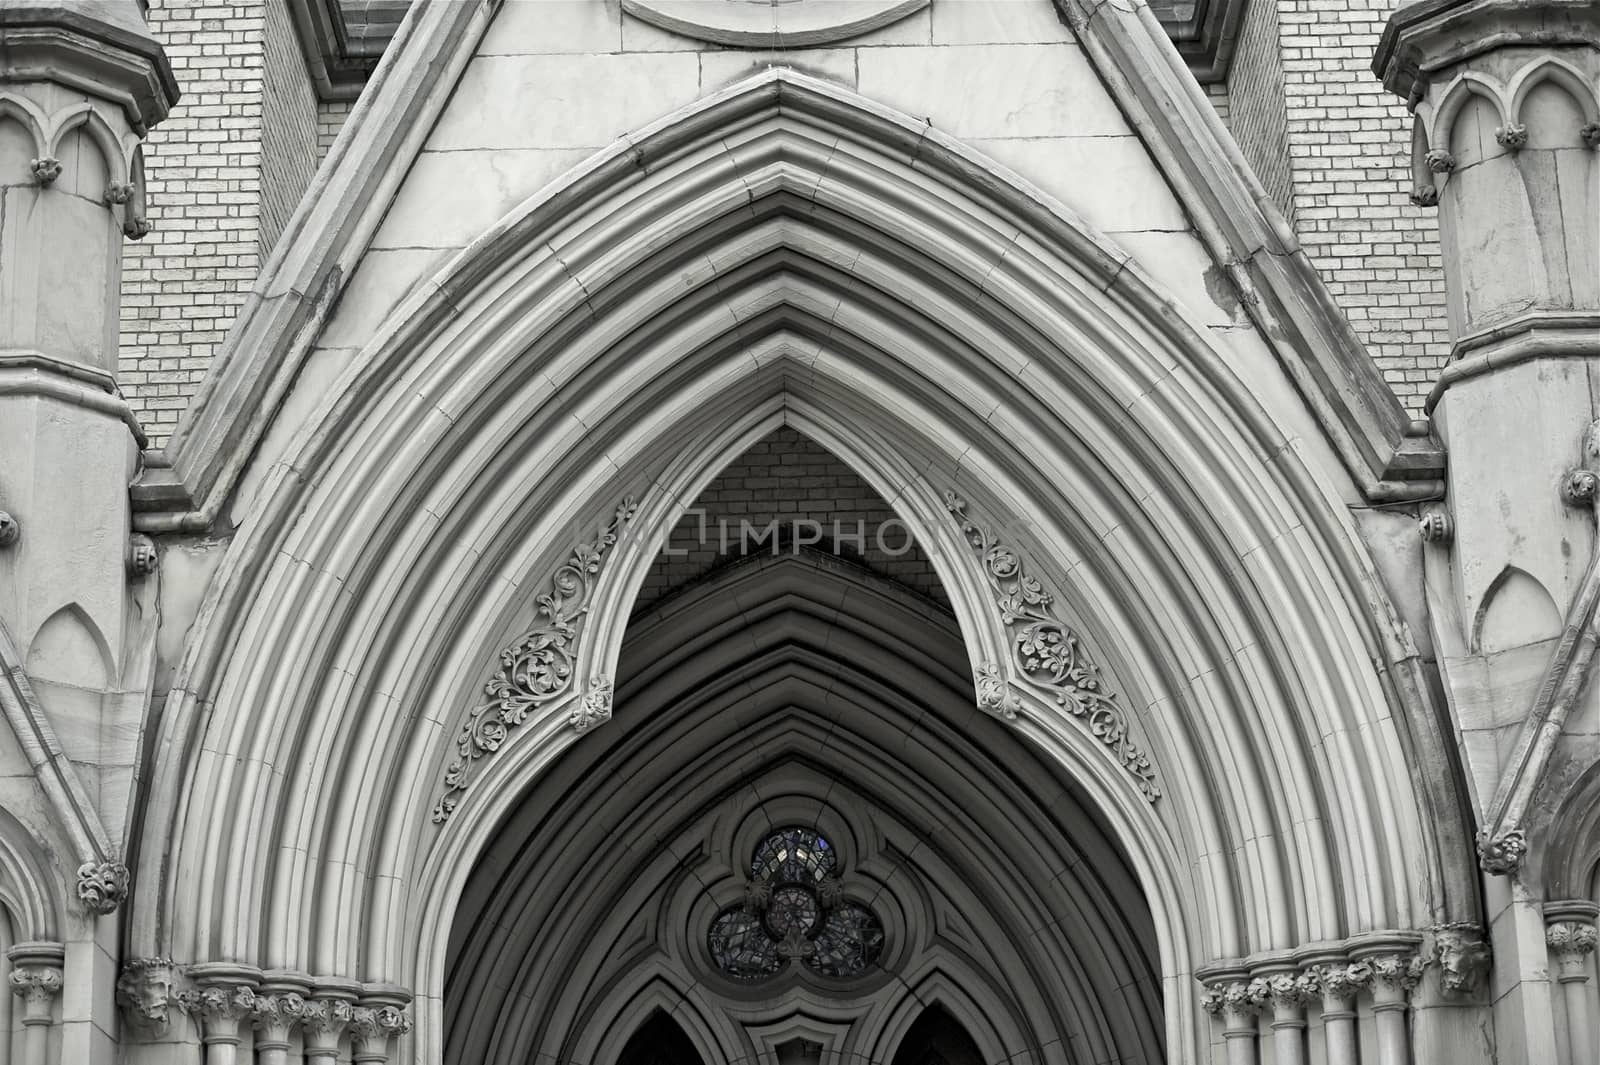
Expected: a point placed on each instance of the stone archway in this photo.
(1041, 417)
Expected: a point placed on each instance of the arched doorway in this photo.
(938, 1039)
(798, 830)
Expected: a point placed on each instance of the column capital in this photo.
(279, 1006)
(36, 978)
(1570, 935)
(224, 994)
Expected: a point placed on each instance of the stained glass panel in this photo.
(792, 907)
(795, 855)
(741, 946)
(850, 941)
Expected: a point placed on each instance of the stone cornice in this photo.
(102, 47)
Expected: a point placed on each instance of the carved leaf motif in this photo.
(536, 668)
(1047, 654)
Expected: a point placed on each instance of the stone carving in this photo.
(102, 886)
(1344, 982)
(993, 696)
(1437, 527)
(45, 169)
(1425, 196)
(1292, 990)
(1463, 957)
(217, 1003)
(275, 1014)
(595, 706)
(1238, 999)
(1440, 161)
(1048, 654)
(10, 531)
(1579, 488)
(1513, 136)
(371, 1028)
(118, 192)
(1591, 134)
(37, 984)
(141, 556)
(1502, 855)
(325, 1017)
(144, 991)
(537, 668)
(136, 228)
(1570, 939)
(1399, 972)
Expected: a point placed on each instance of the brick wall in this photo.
(182, 284)
(1350, 147)
(330, 120)
(290, 131)
(789, 478)
(1256, 101)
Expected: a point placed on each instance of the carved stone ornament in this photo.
(10, 531)
(537, 667)
(216, 1003)
(1400, 972)
(377, 1024)
(1437, 527)
(1344, 982)
(37, 984)
(1294, 991)
(1049, 655)
(1502, 855)
(595, 706)
(1463, 958)
(141, 556)
(325, 1017)
(45, 169)
(1238, 999)
(136, 228)
(1440, 161)
(1590, 134)
(144, 991)
(1425, 196)
(1571, 939)
(993, 695)
(118, 192)
(103, 886)
(1580, 487)
(1512, 136)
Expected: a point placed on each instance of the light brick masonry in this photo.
(1329, 144)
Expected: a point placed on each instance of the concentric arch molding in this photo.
(538, 667)
(771, 23)
(1047, 654)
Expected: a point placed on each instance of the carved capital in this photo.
(371, 1028)
(1513, 136)
(595, 706)
(219, 1008)
(1590, 132)
(1570, 940)
(144, 991)
(10, 530)
(1425, 196)
(1237, 1000)
(102, 886)
(1463, 958)
(1502, 855)
(1440, 161)
(45, 170)
(323, 1020)
(37, 985)
(275, 1015)
(1397, 973)
(1342, 983)
(1294, 991)
(142, 557)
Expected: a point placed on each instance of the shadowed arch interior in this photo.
(938, 1039)
(787, 686)
(659, 1042)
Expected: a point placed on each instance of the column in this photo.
(1341, 982)
(36, 979)
(1570, 935)
(1237, 1002)
(1393, 977)
(377, 1022)
(224, 995)
(325, 1018)
(1290, 993)
(280, 1004)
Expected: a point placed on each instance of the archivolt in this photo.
(785, 252)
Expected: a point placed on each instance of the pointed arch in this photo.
(786, 253)
(937, 1038)
(659, 1041)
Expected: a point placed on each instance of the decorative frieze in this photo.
(538, 667)
(1047, 654)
